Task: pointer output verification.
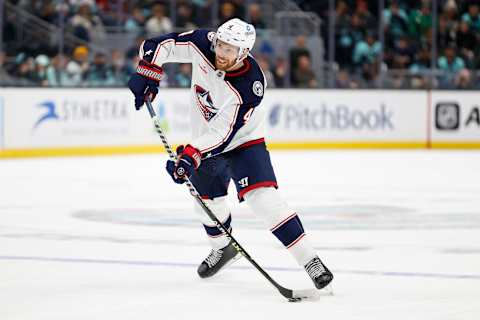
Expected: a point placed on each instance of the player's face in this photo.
(225, 55)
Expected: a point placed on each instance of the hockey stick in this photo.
(291, 295)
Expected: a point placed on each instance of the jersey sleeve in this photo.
(173, 47)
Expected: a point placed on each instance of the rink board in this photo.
(50, 122)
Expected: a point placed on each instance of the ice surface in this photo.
(114, 238)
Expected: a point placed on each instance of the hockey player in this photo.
(228, 137)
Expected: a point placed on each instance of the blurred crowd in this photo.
(409, 34)
(405, 61)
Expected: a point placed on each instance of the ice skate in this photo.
(319, 273)
(217, 260)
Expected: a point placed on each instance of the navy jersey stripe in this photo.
(198, 39)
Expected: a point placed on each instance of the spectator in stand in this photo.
(422, 61)
(185, 16)
(159, 23)
(255, 16)
(183, 76)
(419, 70)
(366, 51)
(342, 18)
(202, 12)
(396, 22)
(420, 20)
(77, 67)
(265, 65)
(403, 53)
(120, 70)
(133, 50)
(472, 17)
(25, 70)
(445, 35)
(463, 80)
(450, 63)
(343, 81)
(5, 77)
(48, 12)
(280, 72)
(450, 10)
(344, 39)
(135, 23)
(450, 14)
(466, 43)
(100, 73)
(41, 64)
(355, 34)
(303, 75)
(239, 8)
(227, 12)
(131, 64)
(300, 49)
(86, 25)
(367, 19)
(56, 75)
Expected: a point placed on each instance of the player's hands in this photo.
(189, 159)
(144, 83)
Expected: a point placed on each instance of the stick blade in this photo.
(311, 294)
(308, 294)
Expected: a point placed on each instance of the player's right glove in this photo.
(189, 159)
(144, 83)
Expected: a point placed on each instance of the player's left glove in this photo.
(189, 159)
(144, 83)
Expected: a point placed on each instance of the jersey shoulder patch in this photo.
(257, 88)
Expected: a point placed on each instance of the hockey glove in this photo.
(144, 83)
(189, 159)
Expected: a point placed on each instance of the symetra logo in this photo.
(50, 113)
(82, 112)
(339, 117)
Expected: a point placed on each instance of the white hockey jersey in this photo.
(226, 109)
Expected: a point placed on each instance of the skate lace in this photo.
(315, 268)
(213, 257)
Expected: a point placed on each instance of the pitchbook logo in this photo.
(300, 116)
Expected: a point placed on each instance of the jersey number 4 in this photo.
(247, 115)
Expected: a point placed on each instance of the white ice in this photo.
(114, 238)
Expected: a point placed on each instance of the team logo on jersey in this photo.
(257, 88)
(211, 36)
(204, 103)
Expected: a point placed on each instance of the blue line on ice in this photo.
(190, 265)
